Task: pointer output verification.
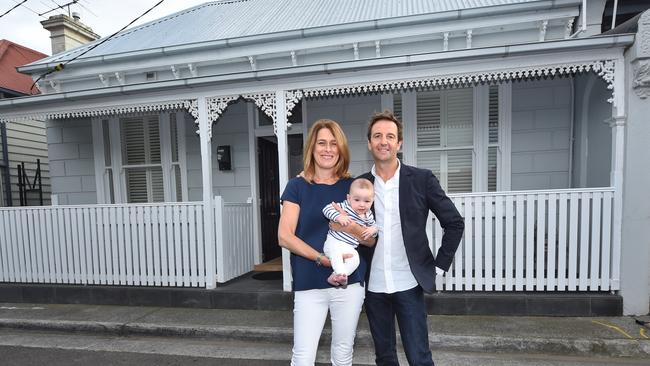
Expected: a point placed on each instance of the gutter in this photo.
(463, 14)
(600, 42)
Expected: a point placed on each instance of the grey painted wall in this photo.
(635, 241)
(353, 114)
(541, 128)
(72, 169)
(231, 129)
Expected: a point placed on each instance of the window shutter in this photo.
(174, 136)
(493, 129)
(492, 169)
(428, 119)
(459, 171)
(133, 148)
(156, 184)
(397, 106)
(153, 139)
(141, 146)
(459, 121)
(136, 185)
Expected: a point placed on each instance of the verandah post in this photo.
(280, 125)
(206, 173)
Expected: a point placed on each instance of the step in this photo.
(552, 335)
(80, 349)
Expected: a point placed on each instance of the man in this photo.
(402, 266)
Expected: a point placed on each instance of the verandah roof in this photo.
(235, 19)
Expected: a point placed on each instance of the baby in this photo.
(357, 209)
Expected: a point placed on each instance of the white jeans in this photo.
(334, 250)
(309, 314)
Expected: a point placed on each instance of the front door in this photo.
(269, 181)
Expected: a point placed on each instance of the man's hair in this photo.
(386, 115)
(362, 183)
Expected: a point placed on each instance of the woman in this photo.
(303, 230)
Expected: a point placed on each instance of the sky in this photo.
(22, 25)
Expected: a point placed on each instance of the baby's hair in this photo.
(362, 183)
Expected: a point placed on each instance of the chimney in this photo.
(67, 32)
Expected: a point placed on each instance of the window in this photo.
(141, 160)
(454, 138)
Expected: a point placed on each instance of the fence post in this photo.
(218, 230)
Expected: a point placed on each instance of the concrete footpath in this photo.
(619, 337)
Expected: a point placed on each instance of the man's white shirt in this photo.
(390, 271)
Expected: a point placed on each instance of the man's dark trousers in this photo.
(409, 308)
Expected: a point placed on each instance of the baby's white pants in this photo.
(334, 250)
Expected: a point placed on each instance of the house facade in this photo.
(172, 141)
(22, 142)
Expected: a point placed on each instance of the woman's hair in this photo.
(342, 165)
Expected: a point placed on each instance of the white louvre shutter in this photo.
(397, 106)
(459, 171)
(428, 119)
(141, 146)
(428, 131)
(458, 127)
(493, 129)
(459, 118)
(133, 148)
(155, 177)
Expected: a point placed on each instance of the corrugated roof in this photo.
(228, 19)
(11, 56)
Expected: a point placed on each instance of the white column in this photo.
(206, 173)
(283, 172)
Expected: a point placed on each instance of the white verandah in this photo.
(551, 240)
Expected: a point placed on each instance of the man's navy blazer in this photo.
(419, 192)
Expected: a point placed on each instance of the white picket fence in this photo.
(160, 244)
(555, 240)
(235, 253)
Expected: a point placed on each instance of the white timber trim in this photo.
(254, 172)
(481, 118)
(99, 159)
(182, 152)
(410, 122)
(504, 155)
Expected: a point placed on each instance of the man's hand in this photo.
(369, 232)
(355, 230)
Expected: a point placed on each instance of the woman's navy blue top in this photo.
(312, 229)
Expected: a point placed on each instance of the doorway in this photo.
(269, 188)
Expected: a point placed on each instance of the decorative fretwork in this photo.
(292, 97)
(190, 105)
(264, 101)
(216, 106)
(605, 69)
